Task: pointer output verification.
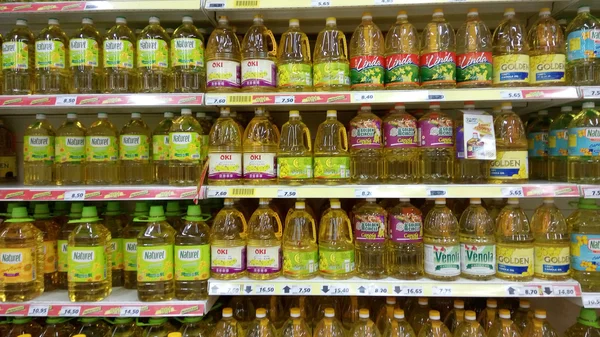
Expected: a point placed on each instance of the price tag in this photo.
(38, 310)
(130, 311)
(216, 100)
(364, 97)
(316, 3)
(363, 193)
(68, 311)
(410, 290)
(287, 193)
(264, 290)
(512, 192)
(77, 195)
(511, 94)
(567, 291)
(591, 301)
(384, 2)
(227, 289)
(377, 290)
(437, 192)
(441, 290)
(435, 96)
(591, 92)
(217, 192)
(66, 100)
(300, 290)
(338, 290)
(531, 291)
(591, 192)
(215, 5)
(285, 99)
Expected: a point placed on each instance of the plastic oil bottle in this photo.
(300, 250)
(546, 51)
(366, 146)
(366, 56)
(92, 326)
(263, 255)
(558, 145)
(38, 152)
(86, 59)
(261, 326)
(225, 151)
(587, 324)
(441, 239)
(185, 150)
(511, 52)
(130, 233)
(474, 49)
(259, 145)
(296, 326)
(467, 170)
(58, 327)
(386, 314)
(223, 59)
(514, 243)
(329, 326)
(134, 152)
(503, 326)
(399, 326)
(332, 161)
(584, 230)
(113, 221)
(69, 150)
(402, 55)
(192, 327)
(583, 64)
(336, 244)
(434, 327)
(456, 316)
(539, 326)
(470, 327)
(295, 154)
(523, 315)
(331, 69)
(102, 152)
(173, 215)
(8, 155)
(153, 52)
(187, 57)
(537, 145)
(90, 266)
(477, 242)
(405, 246)
(259, 54)
(63, 243)
(228, 326)
(24, 326)
(370, 237)
(228, 240)
(125, 327)
(18, 60)
(294, 64)
(438, 53)
(49, 228)
(156, 327)
(511, 164)
(160, 149)
(120, 47)
(419, 314)
(435, 130)
(584, 153)
(401, 153)
(52, 75)
(551, 242)
(364, 327)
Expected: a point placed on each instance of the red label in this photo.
(360, 63)
(399, 60)
(435, 59)
(469, 59)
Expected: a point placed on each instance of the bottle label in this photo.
(204, 146)
(187, 52)
(584, 142)
(50, 260)
(558, 143)
(537, 144)
(38, 148)
(258, 73)
(331, 73)
(8, 166)
(50, 54)
(460, 142)
(548, 68)
(192, 263)
(510, 165)
(295, 167)
(223, 74)
(134, 147)
(224, 165)
(130, 254)
(406, 227)
(260, 165)
(438, 68)
(101, 149)
(292, 75)
(365, 134)
(118, 54)
(155, 263)
(585, 252)
(400, 132)
(401, 70)
(511, 69)
(436, 131)
(442, 260)
(583, 44)
(63, 255)
(69, 149)
(478, 260)
(15, 55)
(332, 167)
(367, 70)
(185, 146)
(117, 253)
(264, 260)
(227, 260)
(153, 54)
(300, 263)
(160, 147)
(369, 228)
(83, 52)
(474, 68)
(552, 261)
(335, 262)
(18, 265)
(515, 261)
(87, 264)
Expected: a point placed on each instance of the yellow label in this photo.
(50, 260)
(511, 69)
(16, 265)
(552, 261)
(8, 166)
(548, 68)
(572, 140)
(510, 165)
(574, 44)
(514, 261)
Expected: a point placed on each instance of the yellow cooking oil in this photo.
(436, 162)
(477, 242)
(558, 144)
(300, 249)
(187, 57)
(89, 254)
(119, 46)
(225, 151)
(8, 155)
(260, 141)
(514, 243)
(114, 222)
(223, 60)
(331, 67)
(295, 155)
(332, 161)
(442, 243)
(584, 156)
(153, 49)
(228, 238)
(102, 152)
(294, 64)
(551, 242)
(546, 51)
(336, 244)
(510, 52)
(63, 243)
(438, 53)
(186, 155)
(474, 53)
(537, 145)
(401, 147)
(52, 74)
(69, 152)
(38, 152)
(367, 56)
(511, 163)
(130, 233)
(402, 54)
(263, 254)
(18, 60)
(86, 59)
(134, 152)
(160, 149)
(259, 52)
(49, 228)
(405, 244)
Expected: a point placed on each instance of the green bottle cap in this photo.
(123, 320)
(157, 212)
(141, 208)
(89, 212)
(588, 317)
(190, 319)
(76, 209)
(113, 208)
(22, 320)
(173, 207)
(194, 210)
(13, 205)
(19, 213)
(56, 320)
(157, 320)
(89, 319)
(42, 211)
(587, 204)
(61, 207)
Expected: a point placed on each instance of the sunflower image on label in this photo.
(50, 260)
(537, 144)
(153, 54)
(227, 260)
(331, 73)
(185, 146)
(101, 149)
(442, 260)
(224, 166)
(552, 260)
(334, 262)
(118, 54)
(558, 143)
(547, 68)
(367, 70)
(117, 253)
(192, 263)
(400, 133)
(17, 265)
(130, 254)
(69, 149)
(160, 147)
(369, 228)
(38, 148)
(510, 165)
(585, 252)
(332, 167)
(514, 261)
(474, 69)
(134, 147)
(260, 166)
(511, 68)
(299, 263)
(294, 167)
(63, 255)
(292, 75)
(583, 44)
(259, 73)
(406, 227)
(584, 142)
(187, 53)
(438, 68)
(83, 52)
(401, 70)
(223, 73)
(15, 55)
(154, 263)
(87, 264)
(477, 259)
(263, 260)
(50, 54)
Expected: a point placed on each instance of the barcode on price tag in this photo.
(217, 192)
(66, 100)
(316, 3)
(69, 311)
(511, 94)
(285, 99)
(384, 2)
(441, 291)
(592, 92)
(287, 193)
(130, 311)
(77, 195)
(38, 310)
(363, 193)
(435, 96)
(437, 192)
(216, 100)
(512, 192)
(591, 192)
(364, 97)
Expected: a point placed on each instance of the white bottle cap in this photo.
(331, 113)
(440, 201)
(390, 300)
(363, 313)
(227, 312)
(434, 315)
(512, 201)
(544, 11)
(402, 15)
(548, 200)
(423, 301)
(259, 111)
(295, 312)
(540, 314)
(102, 115)
(187, 19)
(263, 201)
(566, 108)
(398, 313)
(335, 204)
(459, 304)
(506, 106)
(588, 105)
(583, 9)
(294, 113)
(228, 202)
(438, 12)
(367, 16)
(53, 21)
(21, 22)
(371, 200)
(475, 201)
(404, 199)
(225, 112)
(121, 20)
(200, 114)
(470, 315)
(524, 304)
(261, 313)
(154, 20)
(168, 115)
(258, 19)
(509, 11)
(504, 314)
(71, 115)
(294, 23)
(543, 113)
(491, 303)
(223, 19)
(300, 205)
(330, 21)
(186, 111)
(434, 105)
(329, 312)
(40, 116)
(87, 21)
(473, 12)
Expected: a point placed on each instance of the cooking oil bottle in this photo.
(134, 152)
(113, 221)
(405, 246)
(264, 243)
(187, 57)
(22, 258)
(583, 65)
(8, 155)
(261, 326)
(52, 75)
(332, 162)
(551, 242)
(402, 55)
(371, 238)
(503, 326)
(330, 59)
(456, 316)
(364, 327)
(38, 152)
(546, 51)
(558, 145)
(228, 326)
(511, 52)
(477, 242)
(225, 151)
(296, 326)
(587, 323)
(467, 170)
(366, 56)
(119, 46)
(102, 152)
(366, 146)
(86, 59)
(401, 153)
(399, 326)
(489, 315)
(511, 164)
(69, 152)
(24, 327)
(438, 53)
(63, 243)
(300, 250)
(584, 154)
(442, 246)
(435, 130)
(49, 228)
(153, 58)
(156, 327)
(223, 59)
(537, 145)
(294, 64)
(185, 150)
(514, 242)
(386, 314)
(155, 258)
(419, 315)
(474, 49)
(259, 144)
(90, 266)
(294, 156)
(523, 315)
(583, 228)
(336, 244)
(228, 240)
(470, 327)
(130, 233)
(434, 327)
(259, 53)
(18, 60)
(539, 326)
(58, 327)
(329, 326)
(160, 149)
(125, 327)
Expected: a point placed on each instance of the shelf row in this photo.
(95, 6)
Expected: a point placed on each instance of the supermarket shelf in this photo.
(90, 6)
(96, 193)
(100, 100)
(590, 92)
(121, 303)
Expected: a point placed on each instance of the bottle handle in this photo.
(350, 230)
(244, 232)
(314, 230)
(307, 43)
(273, 51)
(345, 45)
(306, 133)
(344, 138)
(279, 226)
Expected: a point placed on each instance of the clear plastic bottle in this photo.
(584, 141)
(102, 152)
(187, 57)
(511, 52)
(367, 56)
(294, 64)
(130, 234)
(49, 228)
(336, 244)
(300, 250)
(332, 161)
(38, 152)
(24, 326)
(156, 327)
(503, 326)
(153, 53)
(120, 49)
(511, 164)
(8, 155)
(546, 51)
(329, 326)
(435, 130)
(185, 149)
(469, 327)
(584, 229)
(259, 55)
(467, 170)
(456, 316)
(523, 315)
(539, 326)
(419, 315)
(225, 151)
(371, 239)
(18, 60)
(174, 215)
(228, 240)
(59, 327)
(514, 242)
(160, 149)
(438, 53)
(69, 150)
(86, 59)
(52, 75)
(261, 326)
(434, 327)
(587, 324)
(386, 314)
(223, 59)
(260, 142)
(366, 147)
(113, 221)
(264, 243)
(402, 55)
(405, 246)
(295, 154)
(364, 327)
(537, 145)
(401, 142)
(192, 327)
(399, 327)
(228, 326)
(124, 327)
(63, 242)
(296, 326)
(474, 53)
(551, 242)
(135, 152)
(558, 146)
(477, 242)
(330, 59)
(442, 247)
(583, 64)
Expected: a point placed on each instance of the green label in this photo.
(442, 260)
(134, 147)
(63, 255)
(367, 70)
(332, 167)
(185, 146)
(204, 146)
(118, 54)
(117, 253)
(187, 52)
(87, 264)
(334, 262)
(15, 55)
(298, 263)
(294, 75)
(477, 260)
(49, 54)
(130, 254)
(83, 52)
(438, 68)
(160, 147)
(153, 53)
(294, 167)
(69, 149)
(192, 263)
(331, 73)
(101, 148)
(155, 263)
(38, 148)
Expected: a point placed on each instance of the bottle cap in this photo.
(504, 314)
(371, 200)
(294, 113)
(434, 104)
(588, 317)
(543, 113)
(187, 19)
(29, 335)
(540, 313)
(472, 12)
(225, 111)
(76, 207)
(335, 204)
(401, 15)
(583, 9)
(19, 212)
(194, 210)
(295, 312)
(545, 11)
(423, 301)
(566, 108)
(228, 202)
(186, 111)
(136, 115)
(332, 21)
(548, 200)
(87, 21)
(434, 315)
(102, 115)
(524, 304)
(261, 313)
(588, 105)
(175, 334)
(121, 20)
(294, 23)
(259, 111)
(438, 12)
(331, 113)
(363, 313)
(113, 206)
(264, 201)
(475, 201)
(168, 115)
(390, 300)
(440, 201)
(509, 11)
(506, 106)
(21, 22)
(258, 18)
(71, 115)
(512, 201)
(223, 19)
(154, 20)
(89, 212)
(300, 205)
(404, 199)
(459, 304)
(329, 312)
(40, 116)
(227, 312)
(200, 114)
(53, 21)
(173, 207)
(491, 303)
(141, 207)
(470, 315)
(367, 16)
(157, 211)
(469, 104)
(398, 313)
(41, 210)
(365, 107)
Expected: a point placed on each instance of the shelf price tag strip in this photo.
(591, 92)
(591, 192)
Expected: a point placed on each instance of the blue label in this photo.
(583, 44)
(558, 143)
(510, 269)
(585, 252)
(514, 76)
(460, 142)
(584, 141)
(549, 76)
(557, 269)
(537, 144)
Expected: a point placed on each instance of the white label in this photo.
(259, 166)
(362, 193)
(591, 192)
(65, 100)
(216, 100)
(38, 310)
(592, 92)
(591, 300)
(364, 97)
(78, 44)
(377, 290)
(435, 96)
(442, 260)
(222, 73)
(224, 165)
(287, 193)
(336, 290)
(512, 192)
(130, 311)
(285, 99)
(214, 192)
(263, 260)
(479, 140)
(301, 290)
(317, 3)
(410, 290)
(478, 259)
(384, 2)
(264, 290)
(441, 290)
(75, 195)
(229, 257)
(567, 291)
(436, 192)
(226, 289)
(69, 311)
(258, 72)
(531, 291)
(44, 46)
(511, 94)
(148, 45)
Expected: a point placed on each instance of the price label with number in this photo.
(264, 290)
(316, 3)
(217, 192)
(531, 291)
(410, 290)
(567, 291)
(384, 2)
(66, 100)
(216, 100)
(285, 99)
(77, 195)
(591, 192)
(511, 94)
(287, 193)
(591, 301)
(437, 192)
(378, 290)
(38, 310)
(512, 192)
(591, 92)
(441, 291)
(226, 289)
(363, 193)
(300, 290)
(130, 311)
(69, 311)
(364, 97)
